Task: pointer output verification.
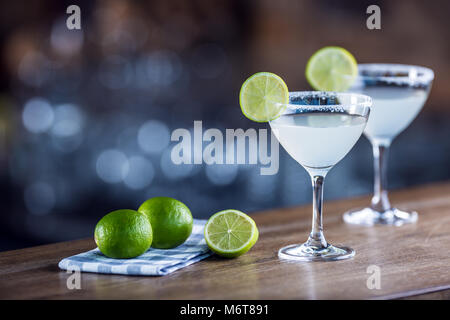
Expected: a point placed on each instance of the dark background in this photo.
(108, 97)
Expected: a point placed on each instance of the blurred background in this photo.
(86, 115)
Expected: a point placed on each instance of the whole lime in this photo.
(171, 221)
(123, 234)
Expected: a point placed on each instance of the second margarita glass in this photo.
(399, 93)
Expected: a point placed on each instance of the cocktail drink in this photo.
(318, 129)
(329, 136)
(398, 93)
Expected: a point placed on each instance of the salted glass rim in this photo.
(355, 103)
(415, 74)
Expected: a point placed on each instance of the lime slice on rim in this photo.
(331, 69)
(230, 233)
(263, 97)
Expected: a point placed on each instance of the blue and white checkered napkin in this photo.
(154, 262)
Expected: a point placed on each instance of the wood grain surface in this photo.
(414, 261)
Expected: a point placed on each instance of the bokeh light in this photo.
(68, 120)
(112, 166)
(153, 136)
(37, 115)
(140, 173)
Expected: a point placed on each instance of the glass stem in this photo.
(380, 200)
(316, 238)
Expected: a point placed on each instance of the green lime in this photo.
(331, 69)
(230, 233)
(123, 234)
(263, 97)
(171, 221)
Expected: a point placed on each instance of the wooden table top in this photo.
(414, 261)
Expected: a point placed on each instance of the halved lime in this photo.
(331, 69)
(263, 97)
(230, 233)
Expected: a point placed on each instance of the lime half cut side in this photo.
(331, 69)
(263, 97)
(230, 233)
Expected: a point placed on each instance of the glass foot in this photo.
(370, 217)
(304, 252)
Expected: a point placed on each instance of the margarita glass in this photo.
(399, 93)
(318, 129)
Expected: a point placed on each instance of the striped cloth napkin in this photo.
(154, 262)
